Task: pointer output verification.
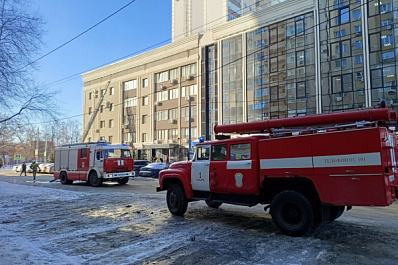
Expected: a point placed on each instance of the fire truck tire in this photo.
(336, 212)
(177, 201)
(293, 214)
(212, 204)
(94, 180)
(123, 180)
(64, 179)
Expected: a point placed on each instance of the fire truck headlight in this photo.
(110, 175)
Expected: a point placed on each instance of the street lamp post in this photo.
(190, 137)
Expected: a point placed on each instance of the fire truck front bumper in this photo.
(118, 175)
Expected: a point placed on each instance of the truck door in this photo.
(218, 167)
(200, 169)
(99, 159)
(242, 169)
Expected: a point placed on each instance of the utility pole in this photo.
(45, 150)
(190, 136)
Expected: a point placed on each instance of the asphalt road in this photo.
(50, 223)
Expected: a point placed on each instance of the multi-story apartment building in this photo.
(264, 60)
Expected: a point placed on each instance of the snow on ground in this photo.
(42, 223)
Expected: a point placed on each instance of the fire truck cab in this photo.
(306, 177)
(93, 162)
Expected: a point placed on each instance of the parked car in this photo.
(41, 166)
(17, 168)
(167, 165)
(48, 168)
(138, 164)
(152, 170)
(28, 169)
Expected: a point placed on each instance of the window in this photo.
(130, 102)
(203, 152)
(185, 111)
(102, 124)
(173, 113)
(358, 44)
(385, 8)
(299, 27)
(173, 133)
(162, 96)
(240, 151)
(111, 91)
(300, 58)
(387, 55)
(173, 74)
(103, 92)
(173, 93)
(301, 91)
(130, 85)
(342, 83)
(358, 59)
(387, 40)
(340, 33)
(144, 119)
(219, 152)
(338, 3)
(161, 115)
(110, 123)
(111, 107)
(162, 77)
(274, 94)
(162, 134)
(84, 152)
(185, 132)
(99, 153)
(145, 82)
(110, 139)
(344, 15)
(145, 137)
(90, 95)
(129, 137)
(189, 90)
(145, 101)
(90, 110)
(188, 70)
(356, 15)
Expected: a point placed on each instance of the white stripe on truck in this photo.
(351, 160)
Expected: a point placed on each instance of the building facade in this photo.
(265, 60)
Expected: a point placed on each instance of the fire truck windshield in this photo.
(117, 153)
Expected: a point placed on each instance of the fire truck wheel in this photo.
(293, 213)
(94, 180)
(336, 212)
(123, 180)
(177, 201)
(212, 204)
(64, 179)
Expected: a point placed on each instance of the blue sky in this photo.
(138, 26)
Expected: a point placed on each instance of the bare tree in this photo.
(20, 40)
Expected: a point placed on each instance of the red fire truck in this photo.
(306, 170)
(93, 162)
